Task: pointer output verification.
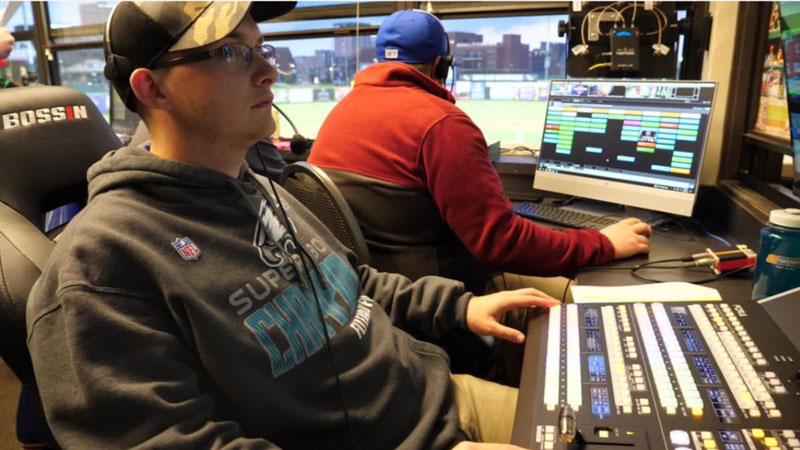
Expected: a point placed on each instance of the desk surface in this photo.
(676, 239)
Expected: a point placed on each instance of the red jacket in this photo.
(401, 127)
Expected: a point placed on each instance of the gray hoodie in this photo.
(177, 312)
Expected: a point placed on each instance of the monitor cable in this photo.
(684, 263)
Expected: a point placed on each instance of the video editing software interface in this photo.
(650, 133)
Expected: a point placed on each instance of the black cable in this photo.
(702, 281)
(566, 288)
(323, 324)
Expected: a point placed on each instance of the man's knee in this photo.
(485, 409)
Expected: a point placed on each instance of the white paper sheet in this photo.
(657, 292)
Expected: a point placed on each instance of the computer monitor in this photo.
(633, 142)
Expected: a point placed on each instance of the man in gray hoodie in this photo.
(192, 304)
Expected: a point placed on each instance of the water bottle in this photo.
(778, 263)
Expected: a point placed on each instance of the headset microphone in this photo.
(298, 144)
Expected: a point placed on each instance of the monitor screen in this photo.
(633, 142)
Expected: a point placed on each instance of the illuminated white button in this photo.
(780, 390)
(679, 437)
(603, 434)
(706, 435)
(645, 410)
(770, 374)
(548, 446)
(549, 436)
(755, 413)
(788, 434)
(761, 362)
(574, 397)
(769, 405)
(775, 382)
(774, 413)
(553, 360)
(627, 410)
(793, 442)
(671, 411)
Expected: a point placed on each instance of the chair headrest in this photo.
(49, 136)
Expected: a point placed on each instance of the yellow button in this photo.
(697, 412)
(770, 442)
(758, 433)
(709, 444)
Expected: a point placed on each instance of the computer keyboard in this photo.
(566, 218)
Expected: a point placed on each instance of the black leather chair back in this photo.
(49, 136)
(317, 192)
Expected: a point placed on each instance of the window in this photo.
(320, 24)
(20, 67)
(82, 69)
(77, 13)
(502, 68)
(315, 74)
(503, 65)
(22, 20)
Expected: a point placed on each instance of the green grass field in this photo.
(500, 120)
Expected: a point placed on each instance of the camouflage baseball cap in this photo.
(138, 33)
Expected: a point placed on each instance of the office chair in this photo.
(50, 136)
(315, 190)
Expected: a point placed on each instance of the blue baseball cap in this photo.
(411, 36)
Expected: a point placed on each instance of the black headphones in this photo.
(441, 70)
(116, 66)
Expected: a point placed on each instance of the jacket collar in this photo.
(396, 74)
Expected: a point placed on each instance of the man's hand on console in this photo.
(629, 236)
(484, 313)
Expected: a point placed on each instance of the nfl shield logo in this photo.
(186, 248)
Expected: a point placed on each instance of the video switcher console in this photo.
(671, 376)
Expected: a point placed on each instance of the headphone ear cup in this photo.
(444, 67)
(117, 67)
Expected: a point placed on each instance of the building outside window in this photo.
(502, 68)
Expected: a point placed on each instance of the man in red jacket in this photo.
(416, 172)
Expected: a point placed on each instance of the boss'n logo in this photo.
(42, 115)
